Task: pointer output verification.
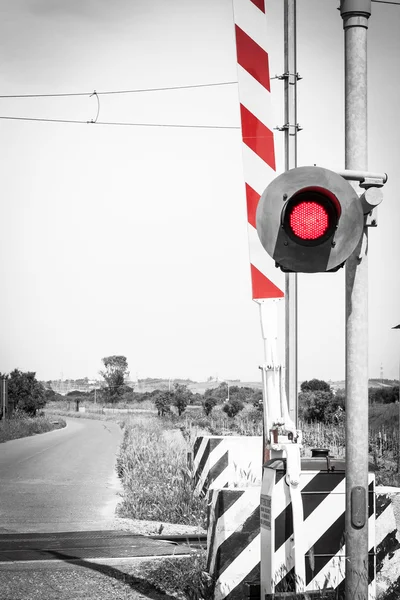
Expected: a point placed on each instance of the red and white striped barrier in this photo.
(257, 134)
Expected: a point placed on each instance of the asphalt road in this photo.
(64, 480)
(58, 494)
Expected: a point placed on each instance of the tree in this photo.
(321, 405)
(220, 393)
(383, 395)
(257, 399)
(315, 385)
(208, 404)
(162, 400)
(181, 397)
(233, 407)
(116, 369)
(26, 392)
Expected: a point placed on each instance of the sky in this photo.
(132, 239)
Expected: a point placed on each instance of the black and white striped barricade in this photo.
(319, 563)
(233, 544)
(233, 541)
(387, 530)
(220, 461)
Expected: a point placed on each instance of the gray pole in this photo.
(4, 398)
(355, 14)
(290, 163)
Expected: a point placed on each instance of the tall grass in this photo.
(20, 426)
(321, 435)
(183, 578)
(248, 422)
(157, 481)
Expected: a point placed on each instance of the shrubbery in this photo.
(384, 395)
(20, 426)
(25, 392)
(233, 407)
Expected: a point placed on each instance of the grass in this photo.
(182, 578)
(20, 426)
(158, 484)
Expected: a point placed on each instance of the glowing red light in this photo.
(309, 220)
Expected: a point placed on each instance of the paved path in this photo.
(64, 480)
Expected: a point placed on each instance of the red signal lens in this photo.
(309, 220)
(311, 217)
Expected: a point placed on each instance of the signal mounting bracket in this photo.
(365, 178)
(371, 183)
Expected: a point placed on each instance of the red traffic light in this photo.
(309, 220)
(311, 216)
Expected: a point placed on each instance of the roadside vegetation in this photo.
(24, 401)
(235, 410)
(160, 427)
(20, 425)
(185, 578)
(158, 483)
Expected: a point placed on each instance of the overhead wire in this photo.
(134, 91)
(116, 123)
(7, 118)
(386, 2)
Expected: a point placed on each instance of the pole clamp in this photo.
(288, 75)
(288, 126)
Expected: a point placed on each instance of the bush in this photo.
(315, 385)
(162, 400)
(233, 407)
(209, 403)
(26, 392)
(181, 397)
(320, 406)
(385, 395)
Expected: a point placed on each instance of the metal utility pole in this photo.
(398, 451)
(290, 128)
(4, 394)
(355, 15)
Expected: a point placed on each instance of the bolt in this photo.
(284, 197)
(285, 243)
(333, 243)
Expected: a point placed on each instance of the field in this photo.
(383, 429)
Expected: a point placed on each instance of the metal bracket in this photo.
(287, 76)
(365, 178)
(297, 127)
(372, 219)
(270, 367)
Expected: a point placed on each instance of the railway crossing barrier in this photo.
(243, 518)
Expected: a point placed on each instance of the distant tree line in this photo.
(318, 402)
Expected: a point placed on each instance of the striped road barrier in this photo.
(225, 461)
(234, 545)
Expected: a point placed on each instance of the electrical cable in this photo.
(386, 2)
(7, 118)
(161, 89)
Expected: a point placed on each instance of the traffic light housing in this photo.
(310, 220)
